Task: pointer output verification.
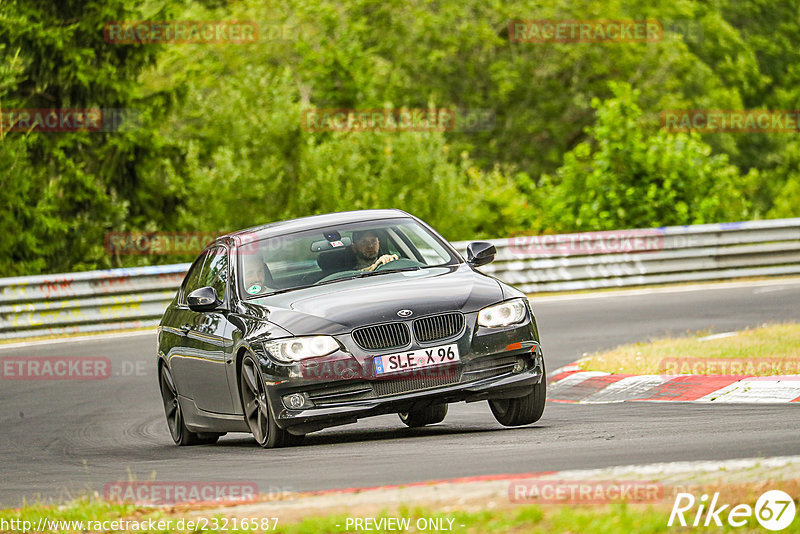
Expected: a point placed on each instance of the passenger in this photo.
(256, 277)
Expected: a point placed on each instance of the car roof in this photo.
(314, 221)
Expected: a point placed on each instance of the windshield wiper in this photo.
(276, 292)
(384, 271)
(368, 273)
(353, 277)
(287, 289)
(284, 290)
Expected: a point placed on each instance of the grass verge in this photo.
(764, 351)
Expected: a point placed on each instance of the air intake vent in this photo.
(438, 327)
(489, 366)
(397, 386)
(382, 336)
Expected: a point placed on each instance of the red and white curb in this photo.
(572, 384)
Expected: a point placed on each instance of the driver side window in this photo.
(192, 280)
(215, 271)
(210, 270)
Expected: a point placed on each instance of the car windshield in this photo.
(327, 255)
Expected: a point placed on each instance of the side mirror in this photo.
(480, 253)
(203, 299)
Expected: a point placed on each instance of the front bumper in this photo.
(505, 374)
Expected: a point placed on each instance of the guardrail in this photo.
(136, 297)
(650, 256)
(86, 302)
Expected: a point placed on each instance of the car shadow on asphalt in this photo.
(340, 436)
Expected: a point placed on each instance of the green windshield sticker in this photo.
(255, 288)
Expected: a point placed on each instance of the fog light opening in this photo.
(519, 366)
(295, 401)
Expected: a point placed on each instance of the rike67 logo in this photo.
(774, 510)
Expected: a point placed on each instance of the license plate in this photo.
(416, 359)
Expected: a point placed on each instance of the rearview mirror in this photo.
(480, 253)
(203, 299)
(320, 246)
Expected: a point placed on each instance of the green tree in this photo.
(220, 146)
(625, 177)
(69, 188)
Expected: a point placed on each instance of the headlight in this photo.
(504, 314)
(299, 348)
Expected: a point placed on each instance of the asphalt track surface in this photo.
(61, 438)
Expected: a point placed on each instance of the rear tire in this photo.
(424, 416)
(172, 408)
(256, 409)
(523, 410)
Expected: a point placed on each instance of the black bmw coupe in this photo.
(295, 326)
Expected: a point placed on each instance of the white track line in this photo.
(97, 337)
(676, 289)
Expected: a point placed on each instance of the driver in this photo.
(366, 245)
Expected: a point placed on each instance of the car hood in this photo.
(341, 306)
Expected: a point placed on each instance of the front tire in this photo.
(172, 408)
(523, 410)
(424, 416)
(256, 409)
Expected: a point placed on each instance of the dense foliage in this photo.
(219, 142)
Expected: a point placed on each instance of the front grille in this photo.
(382, 336)
(404, 385)
(438, 327)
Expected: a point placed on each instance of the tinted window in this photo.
(192, 280)
(423, 244)
(329, 254)
(215, 271)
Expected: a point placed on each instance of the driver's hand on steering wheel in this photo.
(383, 260)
